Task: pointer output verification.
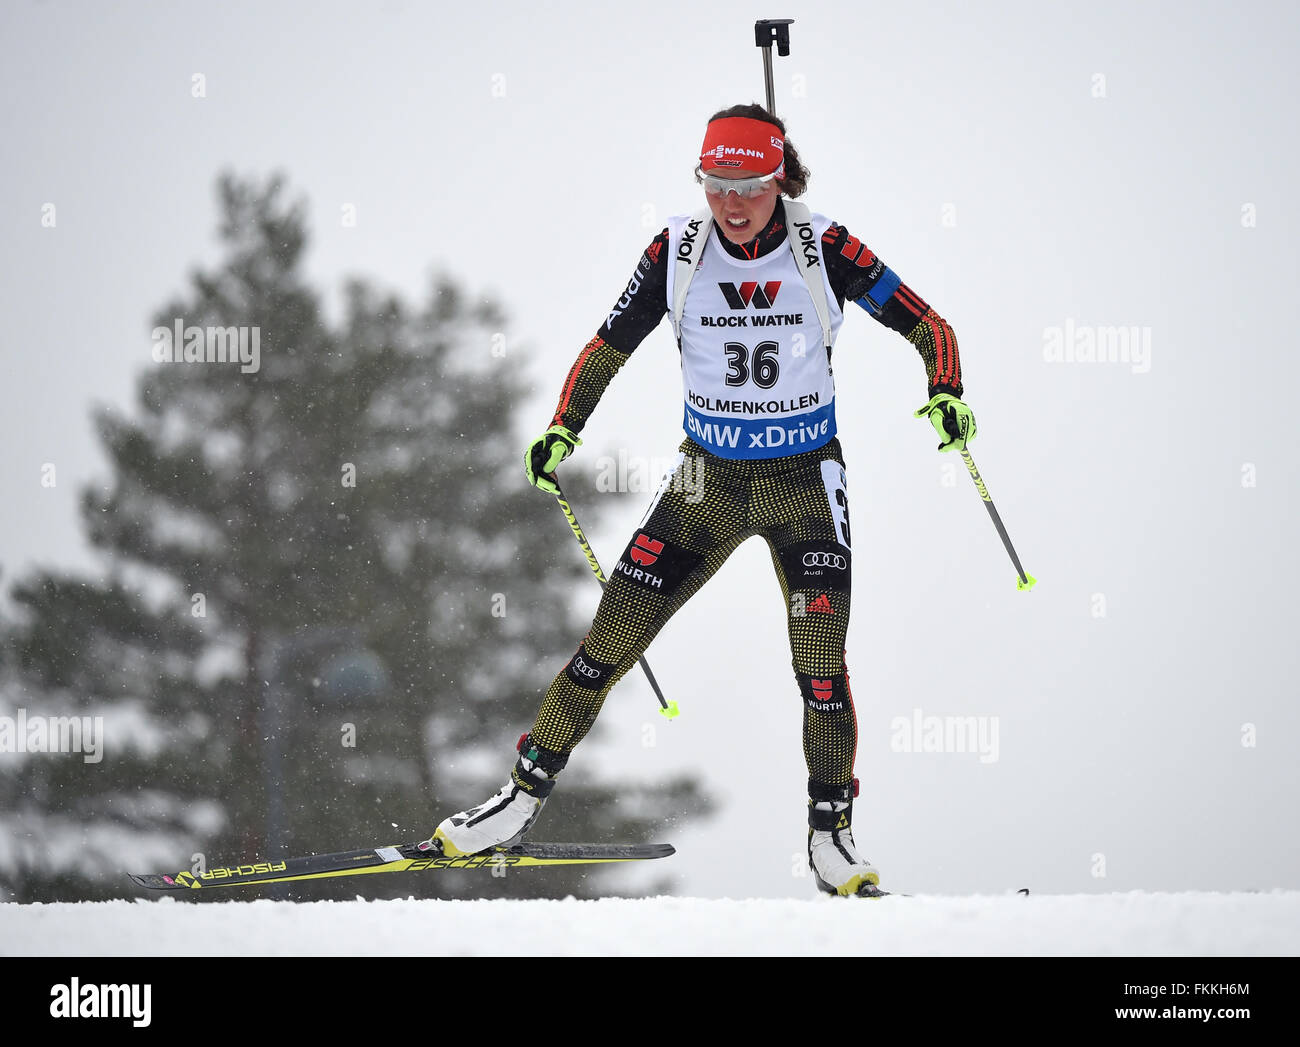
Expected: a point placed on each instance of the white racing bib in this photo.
(756, 376)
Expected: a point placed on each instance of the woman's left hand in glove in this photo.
(952, 420)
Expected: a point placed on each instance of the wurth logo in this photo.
(645, 550)
(750, 293)
(821, 695)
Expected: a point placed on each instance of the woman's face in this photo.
(743, 219)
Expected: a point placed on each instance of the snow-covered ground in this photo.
(1132, 924)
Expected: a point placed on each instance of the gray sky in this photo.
(1040, 173)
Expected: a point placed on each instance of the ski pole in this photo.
(1025, 581)
(766, 32)
(668, 709)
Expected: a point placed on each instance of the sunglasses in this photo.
(745, 188)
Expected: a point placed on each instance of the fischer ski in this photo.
(405, 858)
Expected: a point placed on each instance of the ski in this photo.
(404, 858)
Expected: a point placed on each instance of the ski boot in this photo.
(832, 856)
(502, 820)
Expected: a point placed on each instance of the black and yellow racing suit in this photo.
(711, 504)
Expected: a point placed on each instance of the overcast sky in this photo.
(1042, 174)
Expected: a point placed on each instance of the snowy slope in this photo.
(1136, 923)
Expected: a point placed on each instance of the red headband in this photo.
(740, 141)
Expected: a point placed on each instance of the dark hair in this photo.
(796, 175)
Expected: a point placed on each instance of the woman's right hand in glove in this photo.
(545, 453)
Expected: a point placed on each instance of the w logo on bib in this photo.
(750, 294)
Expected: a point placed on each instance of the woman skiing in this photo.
(754, 288)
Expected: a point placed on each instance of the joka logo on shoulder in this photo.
(645, 550)
(750, 293)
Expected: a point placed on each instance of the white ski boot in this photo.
(502, 820)
(832, 855)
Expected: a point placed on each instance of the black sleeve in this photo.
(636, 313)
(643, 304)
(856, 273)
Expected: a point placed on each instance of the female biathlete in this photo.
(754, 288)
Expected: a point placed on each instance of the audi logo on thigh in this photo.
(825, 560)
(584, 668)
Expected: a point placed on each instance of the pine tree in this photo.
(330, 601)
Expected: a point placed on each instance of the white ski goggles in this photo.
(745, 188)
